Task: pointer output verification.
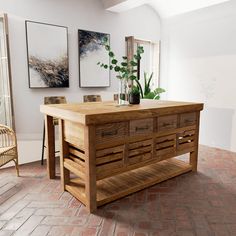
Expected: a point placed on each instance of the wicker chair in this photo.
(92, 98)
(8, 147)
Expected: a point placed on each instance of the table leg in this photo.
(90, 169)
(64, 152)
(50, 141)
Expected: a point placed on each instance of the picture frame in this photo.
(91, 51)
(47, 55)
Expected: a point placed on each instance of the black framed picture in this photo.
(47, 52)
(92, 51)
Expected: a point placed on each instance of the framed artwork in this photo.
(47, 52)
(92, 51)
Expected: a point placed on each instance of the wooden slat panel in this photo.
(77, 190)
(140, 144)
(165, 151)
(76, 153)
(165, 144)
(109, 158)
(141, 127)
(74, 167)
(185, 146)
(139, 158)
(110, 166)
(118, 186)
(187, 139)
(78, 161)
(107, 151)
(139, 151)
(166, 138)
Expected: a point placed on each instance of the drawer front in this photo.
(109, 159)
(139, 151)
(167, 122)
(188, 119)
(142, 126)
(111, 131)
(186, 139)
(165, 145)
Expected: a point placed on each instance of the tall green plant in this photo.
(126, 69)
(146, 91)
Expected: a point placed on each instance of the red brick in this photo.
(29, 226)
(12, 211)
(19, 219)
(60, 231)
(41, 230)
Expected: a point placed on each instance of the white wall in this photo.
(141, 22)
(199, 64)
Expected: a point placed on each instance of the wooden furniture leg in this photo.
(90, 168)
(64, 147)
(50, 140)
(193, 160)
(194, 154)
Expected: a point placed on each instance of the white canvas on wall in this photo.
(92, 51)
(47, 49)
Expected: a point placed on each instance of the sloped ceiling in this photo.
(165, 8)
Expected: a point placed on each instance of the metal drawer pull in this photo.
(166, 124)
(142, 128)
(109, 133)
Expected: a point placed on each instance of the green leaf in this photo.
(118, 77)
(107, 47)
(125, 58)
(111, 67)
(132, 63)
(150, 95)
(105, 66)
(111, 54)
(114, 61)
(124, 64)
(123, 69)
(98, 63)
(132, 77)
(105, 39)
(117, 68)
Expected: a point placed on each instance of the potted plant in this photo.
(147, 92)
(134, 95)
(126, 69)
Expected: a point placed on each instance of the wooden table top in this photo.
(104, 112)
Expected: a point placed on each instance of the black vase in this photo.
(134, 98)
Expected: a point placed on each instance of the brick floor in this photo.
(198, 204)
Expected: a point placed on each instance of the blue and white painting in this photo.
(91, 51)
(47, 49)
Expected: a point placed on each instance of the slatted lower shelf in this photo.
(118, 186)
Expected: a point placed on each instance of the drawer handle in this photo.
(142, 128)
(166, 124)
(187, 121)
(109, 133)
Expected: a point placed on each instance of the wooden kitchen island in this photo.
(115, 151)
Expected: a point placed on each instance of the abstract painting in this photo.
(92, 51)
(47, 49)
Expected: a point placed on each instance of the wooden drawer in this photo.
(140, 151)
(167, 122)
(142, 126)
(109, 159)
(165, 145)
(108, 132)
(187, 119)
(186, 139)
